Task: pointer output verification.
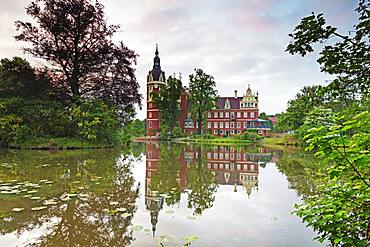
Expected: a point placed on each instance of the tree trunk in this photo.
(199, 122)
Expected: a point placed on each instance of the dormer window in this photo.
(227, 104)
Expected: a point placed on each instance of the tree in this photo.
(202, 95)
(73, 36)
(341, 208)
(167, 101)
(19, 79)
(348, 59)
(300, 106)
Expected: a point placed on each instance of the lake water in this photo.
(154, 195)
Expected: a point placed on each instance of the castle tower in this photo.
(155, 79)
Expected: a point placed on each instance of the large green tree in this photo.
(74, 38)
(203, 95)
(340, 209)
(167, 101)
(298, 108)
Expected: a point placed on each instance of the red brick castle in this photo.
(232, 115)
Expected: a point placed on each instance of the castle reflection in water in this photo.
(230, 166)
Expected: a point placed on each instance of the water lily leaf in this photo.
(146, 230)
(274, 218)
(121, 209)
(126, 215)
(50, 202)
(43, 180)
(32, 191)
(113, 203)
(49, 182)
(35, 198)
(190, 238)
(137, 228)
(170, 212)
(191, 217)
(17, 209)
(72, 195)
(39, 208)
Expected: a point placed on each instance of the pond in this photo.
(155, 194)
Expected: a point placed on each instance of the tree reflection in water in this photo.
(90, 217)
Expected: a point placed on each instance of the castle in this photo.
(232, 115)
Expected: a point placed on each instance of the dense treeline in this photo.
(333, 121)
(87, 91)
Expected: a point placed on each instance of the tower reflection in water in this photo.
(173, 170)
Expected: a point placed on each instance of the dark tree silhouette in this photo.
(74, 37)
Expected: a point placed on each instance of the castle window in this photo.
(245, 125)
(221, 132)
(209, 125)
(238, 125)
(226, 125)
(252, 114)
(226, 156)
(215, 114)
(232, 126)
(226, 114)
(252, 124)
(209, 114)
(221, 125)
(221, 114)
(232, 115)
(245, 114)
(209, 155)
(150, 124)
(150, 105)
(215, 125)
(149, 154)
(238, 114)
(221, 156)
(150, 114)
(215, 132)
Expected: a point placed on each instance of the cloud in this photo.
(238, 42)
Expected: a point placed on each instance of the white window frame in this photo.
(209, 114)
(209, 125)
(215, 125)
(245, 114)
(221, 125)
(252, 114)
(232, 125)
(238, 114)
(238, 125)
(226, 125)
(221, 114)
(227, 114)
(215, 114)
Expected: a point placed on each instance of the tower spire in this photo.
(157, 60)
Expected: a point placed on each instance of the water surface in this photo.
(152, 194)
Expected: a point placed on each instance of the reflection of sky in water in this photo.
(261, 219)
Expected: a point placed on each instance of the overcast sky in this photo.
(239, 42)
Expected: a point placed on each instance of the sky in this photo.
(238, 42)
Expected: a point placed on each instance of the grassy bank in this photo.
(59, 143)
(280, 139)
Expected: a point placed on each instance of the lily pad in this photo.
(191, 217)
(113, 203)
(17, 209)
(125, 215)
(190, 238)
(32, 191)
(170, 211)
(274, 218)
(137, 228)
(121, 209)
(35, 198)
(39, 208)
(71, 195)
(49, 202)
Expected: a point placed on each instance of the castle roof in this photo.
(234, 102)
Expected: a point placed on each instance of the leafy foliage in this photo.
(202, 95)
(73, 36)
(348, 59)
(167, 101)
(340, 211)
(19, 79)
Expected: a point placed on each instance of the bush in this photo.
(95, 121)
(250, 136)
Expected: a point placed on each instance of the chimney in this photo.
(236, 93)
